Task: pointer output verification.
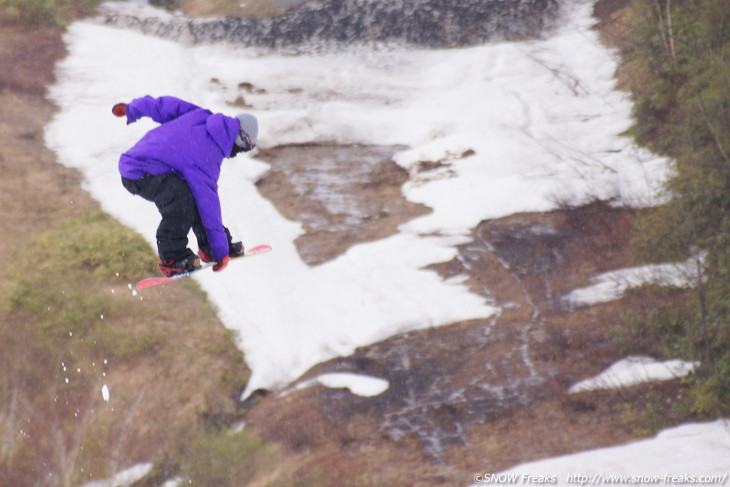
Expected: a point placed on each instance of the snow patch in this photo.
(358, 384)
(675, 456)
(635, 370)
(612, 285)
(124, 478)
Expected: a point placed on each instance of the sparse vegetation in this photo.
(656, 324)
(57, 293)
(659, 408)
(44, 12)
(219, 458)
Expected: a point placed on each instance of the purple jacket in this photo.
(191, 142)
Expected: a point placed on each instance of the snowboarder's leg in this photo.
(176, 205)
(200, 234)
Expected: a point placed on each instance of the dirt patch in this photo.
(224, 8)
(611, 16)
(342, 194)
(27, 58)
(614, 26)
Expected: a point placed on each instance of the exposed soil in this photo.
(223, 8)
(342, 194)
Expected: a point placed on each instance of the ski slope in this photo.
(542, 118)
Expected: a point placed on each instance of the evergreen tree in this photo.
(683, 110)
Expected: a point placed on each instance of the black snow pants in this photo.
(179, 212)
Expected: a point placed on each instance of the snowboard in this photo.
(156, 281)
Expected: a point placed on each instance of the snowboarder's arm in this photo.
(161, 110)
(205, 192)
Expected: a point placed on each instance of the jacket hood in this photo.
(223, 130)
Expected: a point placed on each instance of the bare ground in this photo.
(222, 8)
(343, 195)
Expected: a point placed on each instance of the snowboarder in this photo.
(176, 166)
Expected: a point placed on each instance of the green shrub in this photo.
(58, 293)
(94, 244)
(712, 394)
(659, 331)
(218, 458)
(37, 13)
(169, 4)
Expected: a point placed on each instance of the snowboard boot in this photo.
(181, 266)
(235, 249)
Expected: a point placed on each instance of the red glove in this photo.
(222, 264)
(120, 109)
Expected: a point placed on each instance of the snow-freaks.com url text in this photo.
(600, 479)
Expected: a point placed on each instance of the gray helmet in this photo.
(246, 138)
